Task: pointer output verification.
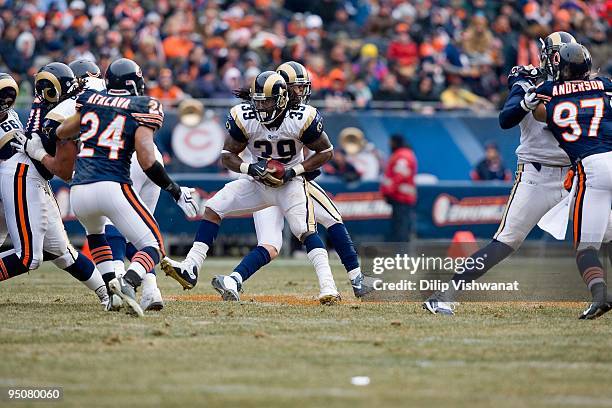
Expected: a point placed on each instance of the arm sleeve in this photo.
(149, 113)
(234, 129)
(512, 113)
(313, 130)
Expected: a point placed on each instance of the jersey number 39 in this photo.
(110, 137)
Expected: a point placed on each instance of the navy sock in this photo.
(11, 266)
(130, 251)
(489, 256)
(313, 241)
(116, 242)
(252, 262)
(341, 240)
(82, 268)
(592, 273)
(207, 232)
(101, 256)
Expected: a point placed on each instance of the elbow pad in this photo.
(158, 175)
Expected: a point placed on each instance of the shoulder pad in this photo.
(62, 111)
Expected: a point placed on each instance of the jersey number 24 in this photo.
(110, 137)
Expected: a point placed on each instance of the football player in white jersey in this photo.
(542, 166)
(269, 222)
(34, 219)
(269, 129)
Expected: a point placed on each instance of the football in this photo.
(276, 168)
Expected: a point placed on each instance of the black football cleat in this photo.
(595, 310)
(360, 288)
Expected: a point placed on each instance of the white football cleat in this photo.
(329, 294)
(127, 293)
(114, 303)
(151, 300)
(227, 287)
(151, 296)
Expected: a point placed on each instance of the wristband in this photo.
(244, 168)
(298, 169)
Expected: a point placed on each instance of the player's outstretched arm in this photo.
(145, 153)
(515, 108)
(69, 129)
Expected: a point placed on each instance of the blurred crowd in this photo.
(453, 53)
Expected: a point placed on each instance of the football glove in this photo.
(32, 147)
(260, 172)
(528, 73)
(259, 169)
(187, 203)
(530, 100)
(289, 174)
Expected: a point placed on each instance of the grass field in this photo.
(280, 348)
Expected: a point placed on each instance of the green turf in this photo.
(278, 354)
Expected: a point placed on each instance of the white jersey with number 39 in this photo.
(300, 126)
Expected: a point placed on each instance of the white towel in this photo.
(555, 220)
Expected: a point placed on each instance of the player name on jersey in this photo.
(567, 88)
(112, 101)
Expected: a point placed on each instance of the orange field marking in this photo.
(280, 299)
(311, 301)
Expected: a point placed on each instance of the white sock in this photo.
(119, 268)
(237, 277)
(320, 260)
(354, 273)
(149, 282)
(96, 283)
(138, 268)
(197, 254)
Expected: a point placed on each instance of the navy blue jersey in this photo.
(108, 128)
(38, 111)
(579, 115)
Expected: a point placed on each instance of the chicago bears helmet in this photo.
(125, 75)
(84, 69)
(571, 62)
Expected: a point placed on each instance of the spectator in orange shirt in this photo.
(165, 91)
(178, 45)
